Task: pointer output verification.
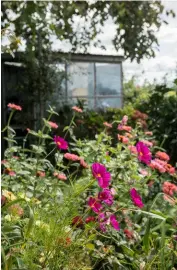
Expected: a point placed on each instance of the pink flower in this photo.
(124, 120)
(169, 188)
(106, 124)
(162, 155)
(126, 128)
(156, 165)
(143, 172)
(144, 155)
(15, 107)
(101, 174)
(77, 109)
(72, 157)
(106, 196)
(28, 130)
(52, 124)
(113, 191)
(124, 139)
(94, 205)
(128, 234)
(114, 222)
(83, 163)
(147, 143)
(169, 199)
(61, 176)
(170, 169)
(3, 161)
(136, 198)
(61, 143)
(40, 174)
(11, 173)
(132, 149)
(149, 133)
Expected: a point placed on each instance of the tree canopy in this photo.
(136, 23)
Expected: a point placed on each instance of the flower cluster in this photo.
(169, 188)
(104, 197)
(160, 163)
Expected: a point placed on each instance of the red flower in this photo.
(101, 174)
(61, 143)
(89, 219)
(72, 157)
(77, 109)
(136, 198)
(144, 155)
(15, 107)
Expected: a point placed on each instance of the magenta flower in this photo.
(101, 174)
(136, 198)
(144, 155)
(61, 143)
(114, 222)
(94, 205)
(106, 196)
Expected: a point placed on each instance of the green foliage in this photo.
(39, 230)
(34, 20)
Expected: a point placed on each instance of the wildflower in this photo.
(89, 219)
(170, 169)
(149, 133)
(94, 205)
(83, 163)
(61, 143)
(16, 210)
(144, 155)
(52, 124)
(169, 188)
(77, 221)
(40, 174)
(11, 173)
(101, 174)
(126, 128)
(132, 149)
(124, 139)
(77, 109)
(128, 234)
(156, 165)
(114, 222)
(136, 198)
(143, 172)
(15, 107)
(162, 155)
(147, 143)
(106, 196)
(161, 162)
(106, 124)
(72, 157)
(62, 176)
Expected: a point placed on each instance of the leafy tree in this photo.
(135, 22)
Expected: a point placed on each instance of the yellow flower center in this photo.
(98, 175)
(141, 154)
(58, 143)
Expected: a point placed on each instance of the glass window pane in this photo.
(112, 102)
(108, 79)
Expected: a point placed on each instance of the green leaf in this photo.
(90, 246)
(30, 223)
(147, 237)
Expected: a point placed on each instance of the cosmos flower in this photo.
(94, 204)
(114, 222)
(101, 174)
(106, 196)
(136, 198)
(61, 143)
(144, 155)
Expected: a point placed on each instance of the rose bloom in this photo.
(136, 198)
(123, 139)
(106, 124)
(72, 157)
(52, 124)
(15, 107)
(61, 176)
(162, 155)
(77, 109)
(61, 143)
(149, 133)
(100, 172)
(84, 164)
